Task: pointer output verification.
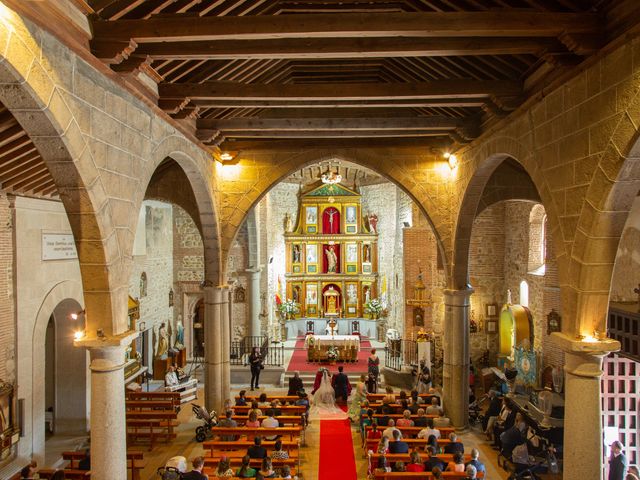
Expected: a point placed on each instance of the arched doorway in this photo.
(65, 372)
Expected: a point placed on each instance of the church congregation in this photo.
(319, 239)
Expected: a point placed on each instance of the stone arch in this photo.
(268, 171)
(479, 171)
(187, 155)
(30, 93)
(34, 416)
(612, 190)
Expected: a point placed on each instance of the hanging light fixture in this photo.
(330, 177)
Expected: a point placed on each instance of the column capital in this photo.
(107, 342)
(585, 346)
(254, 271)
(457, 298)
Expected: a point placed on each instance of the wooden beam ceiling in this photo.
(504, 23)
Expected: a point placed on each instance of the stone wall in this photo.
(625, 273)
(157, 262)
(236, 269)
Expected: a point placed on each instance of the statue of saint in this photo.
(288, 223)
(332, 259)
(373, 222)
(163, 342)
(509, 297)
(179, 343)
(331, 214)
(296, 254)
(366, 253)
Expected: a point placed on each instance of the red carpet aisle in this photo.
(337, 460)
(299, 360)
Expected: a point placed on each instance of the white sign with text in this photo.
(58, 246)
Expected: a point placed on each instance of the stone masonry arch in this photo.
(28, 90)
(259, 172)
(199, 171)
(476, 174)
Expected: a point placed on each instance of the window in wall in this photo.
(537, 240)
(524, 293)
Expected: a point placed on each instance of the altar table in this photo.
(333, 340)
(317, 346)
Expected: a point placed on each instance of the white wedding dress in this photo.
(324, 401)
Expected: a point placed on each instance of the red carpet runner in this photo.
(337, 460)
(299, 360)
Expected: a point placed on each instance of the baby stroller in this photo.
(210, 420)
(173, 469)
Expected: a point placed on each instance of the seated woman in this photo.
(224, 469)
(285, 472)
(254, 408)
(437, 473)
(266, 470)
(432, 441)
(245, 470)
(383, 465)
(457, 465)
(263, 402)
(405, 421)
(415, 463)
(278, 453)
(253, 421)
(399, 467)
(383, 445)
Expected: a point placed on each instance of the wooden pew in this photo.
(213, 445)
(283, 419)
(270, 398)
(372, 443)
(250, 433)
(395, 407)
(377, 397)
(69, 473)
(173, 397)
(285, 409)
(397, 416)
(135, 461)
(411, 432)
(150, 428)
(420, 475)
(235, 462)
(238, 449)
(406, 457)
(149, 404)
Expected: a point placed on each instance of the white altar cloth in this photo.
(335, 340)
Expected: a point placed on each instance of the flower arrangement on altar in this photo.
(373, 307)
(289, 308)
(332, 353)
(423, 336)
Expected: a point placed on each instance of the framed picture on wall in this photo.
(554, 322)
(492, 325)
(491, 310)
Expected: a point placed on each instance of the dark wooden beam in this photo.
(170, 105)
(416, 24)
(299, 144)
(453, 88)
(266, 125)
(328, 133)
(328, 48)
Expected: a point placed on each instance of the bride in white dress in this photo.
(324, 400)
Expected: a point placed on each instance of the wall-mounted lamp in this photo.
(79, 335)
(452, 159)
(100, 333)
(227, 158)
(76, 315)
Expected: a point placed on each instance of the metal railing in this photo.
(272, 352)
(399, 353)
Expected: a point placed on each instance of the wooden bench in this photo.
(285, 409)
(395, 407)
(421, 475)
(235, 462)
(411, 432)
(283, 419)
(135, 461)
(372, 443)
(270, 398)
(377, 397)
(397, 416)
(188, 390)
(69, 473)
(251, 433)
(213, 445)
(149, 405)
(406, 457)
(150, 428)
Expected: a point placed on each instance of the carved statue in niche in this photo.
(143, 285)
(296, 253)
(366, 253)
(332, 259)
(373, 222)
(162, 348)
(418, 317)
(288, 223)
(179, 343)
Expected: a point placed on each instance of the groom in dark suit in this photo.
(341, 385)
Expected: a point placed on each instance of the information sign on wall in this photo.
(58, 246)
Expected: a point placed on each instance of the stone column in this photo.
(583, 417)
(213, 349)
(456, 356)
(225, 322)
(108, 427)
(254, 299)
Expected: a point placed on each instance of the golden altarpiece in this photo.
(332, 254)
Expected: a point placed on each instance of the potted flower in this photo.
(373, 307)
(289, 308)
(332, 354)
